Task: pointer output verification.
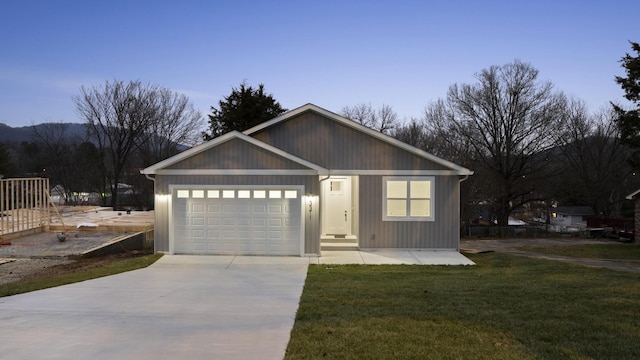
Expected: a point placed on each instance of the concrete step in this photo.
(349, 246)
(332, 240)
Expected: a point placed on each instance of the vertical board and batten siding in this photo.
(310, 183)
(236, 154)
(333, 145)
(442, 233)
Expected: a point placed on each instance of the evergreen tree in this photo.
(628, 121)
(244, 108)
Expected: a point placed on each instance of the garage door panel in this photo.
(243, 208)
(198, 234)
(228, 221)
(228, 234)
(243, 234)
(259, 235)
(259, 221)
(249, 226)
(276, 209)
(214, 208)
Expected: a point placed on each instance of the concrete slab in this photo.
(340, 257)
(394, 257)
(188, 307)
(389, 257)
(441, 257)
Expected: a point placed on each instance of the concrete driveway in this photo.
(181, 307)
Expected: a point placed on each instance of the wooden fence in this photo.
(24, 205)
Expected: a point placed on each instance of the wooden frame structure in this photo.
(24, 206)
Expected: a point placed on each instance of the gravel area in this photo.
(18, 269)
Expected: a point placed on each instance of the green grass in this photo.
(592, 251)
(506, 307)
(112, 268)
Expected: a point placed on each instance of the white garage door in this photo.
(237, 221)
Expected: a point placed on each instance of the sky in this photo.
(405, 54)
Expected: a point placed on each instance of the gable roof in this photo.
(458, 170)
(632, 195)
(163, 165)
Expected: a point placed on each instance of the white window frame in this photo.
(408, 198)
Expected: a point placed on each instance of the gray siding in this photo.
(311, 185)
(236, 154)
(335, 146)
(442, 233)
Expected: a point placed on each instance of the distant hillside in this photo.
(17, 135)
(10, 134)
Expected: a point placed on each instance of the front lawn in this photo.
(506, 307)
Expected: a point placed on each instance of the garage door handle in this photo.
(345, 215)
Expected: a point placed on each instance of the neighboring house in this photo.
(570, 216)
(281, 186)
(635, 197)
(58, 195)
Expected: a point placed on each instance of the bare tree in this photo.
(121, 117)
(383, 120)
(386, 119)
(57, 153)
(176, 124)
(413, 133)
(505, 120)
(361, 113)
(599, 174)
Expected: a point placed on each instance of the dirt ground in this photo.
(12, 270)
(43, 255)
(511, 246)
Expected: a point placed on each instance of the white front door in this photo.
(336, 203)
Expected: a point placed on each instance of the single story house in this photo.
(570, 216)
(306, 176)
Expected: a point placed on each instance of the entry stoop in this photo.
(338, 242)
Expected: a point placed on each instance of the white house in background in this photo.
(570, 216)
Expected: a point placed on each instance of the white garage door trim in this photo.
(250, 191)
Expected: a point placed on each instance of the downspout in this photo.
(328, 175)
(460, 184)
(322, 180)
(154, 208)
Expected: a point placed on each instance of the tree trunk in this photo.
(503, 213)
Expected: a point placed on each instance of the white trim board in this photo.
(303, 172)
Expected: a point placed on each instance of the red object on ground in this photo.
(5, 243)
